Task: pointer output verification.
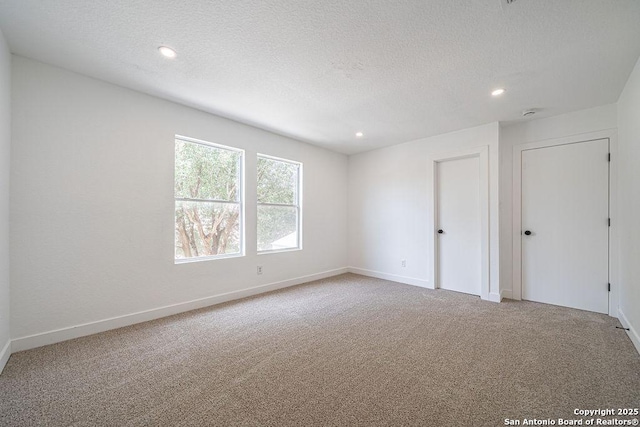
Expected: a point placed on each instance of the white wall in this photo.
(5, 144)
(92, 205)
(92, 202)
(579, 122)
(389, 208)
(629, 204)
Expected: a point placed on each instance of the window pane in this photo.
(206, 229)
(277, 228)
(203, 172)
(277, 182)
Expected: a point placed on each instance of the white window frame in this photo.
(297, 205)
(240, 202)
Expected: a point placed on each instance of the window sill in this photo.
(278, 251)
(206, 258)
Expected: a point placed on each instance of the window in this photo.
(208, 200)
(279, 183)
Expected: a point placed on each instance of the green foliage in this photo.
(210, 229)
(278, 184)
(203, 172)
(276, 227)
(277, 181)
(206, 228)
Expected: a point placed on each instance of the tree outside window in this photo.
(208, 200)
(279, 207)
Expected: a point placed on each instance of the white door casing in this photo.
(459, 265)
(481, 155)
(565, 211)
(518, 227)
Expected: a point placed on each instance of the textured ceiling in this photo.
(319, 71)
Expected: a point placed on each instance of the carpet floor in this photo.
(348, 350)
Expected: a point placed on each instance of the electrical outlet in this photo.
(404, 262)
(259, 269)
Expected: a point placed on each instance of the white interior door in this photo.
(458, 222)
(565, 210)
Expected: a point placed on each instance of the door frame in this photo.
(612, 136)
(482, 153)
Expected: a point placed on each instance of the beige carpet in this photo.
(349, 350)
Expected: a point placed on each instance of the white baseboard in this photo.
(498, 297)
(64, 334)
(505, 293)
(633, 334)
(5, 353)
(495, 297)
(394, 278)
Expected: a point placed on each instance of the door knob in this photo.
(528, 233)
(440, 231)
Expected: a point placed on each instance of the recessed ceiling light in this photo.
(359, 134)
(167, 51)
(497, 92)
